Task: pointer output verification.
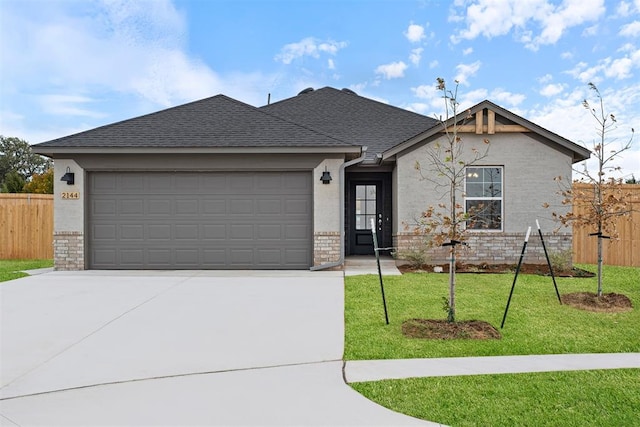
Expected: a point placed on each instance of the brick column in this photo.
(68, 250)
(326, 247)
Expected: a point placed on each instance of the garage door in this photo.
(184, 220)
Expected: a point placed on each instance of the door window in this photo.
(365, 206)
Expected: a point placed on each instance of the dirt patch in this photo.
(607, 303)
(539, 269)
(443, 330)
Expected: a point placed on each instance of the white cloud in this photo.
(545, 79)
(330, 64)
(465, 71)
(467, 51)
(493, 18)
(568, 118)
(552, 89)
(619, 68)
(630, 30)
(503, 97)
(416, 56)
(127, 47)
(393, 70)
(566, 55)
(308, 46)
(415, 33)
(418, 107)
(425, 91)
(623, 9)
(434, 64)
(68, 105)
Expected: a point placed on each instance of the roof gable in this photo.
(218, 121)
(489, 118)
(352, 118)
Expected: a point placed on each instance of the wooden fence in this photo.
(625, 250)
(26, 226)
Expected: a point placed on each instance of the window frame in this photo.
(468, 198)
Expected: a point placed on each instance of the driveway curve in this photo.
(178, 348)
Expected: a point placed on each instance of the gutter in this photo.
(342, 212)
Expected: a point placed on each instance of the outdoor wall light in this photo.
(326, 176)
(69, 177)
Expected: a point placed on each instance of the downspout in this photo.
(342, 212)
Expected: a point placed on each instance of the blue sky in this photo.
(69, 66)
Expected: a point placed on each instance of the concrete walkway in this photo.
(375, 370)
(366, 264)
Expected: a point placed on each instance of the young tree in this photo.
(602, 200)
(40, 183)
(16, 156)
(448, 161)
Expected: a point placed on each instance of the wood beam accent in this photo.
(479, 122)
(491, 122)
(485, 128)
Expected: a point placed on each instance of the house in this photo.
(219, 184)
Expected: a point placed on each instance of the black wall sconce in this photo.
(69, 177)
(326, 176)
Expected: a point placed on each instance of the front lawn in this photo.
(14, 269)
(576, 398)
(536, 323)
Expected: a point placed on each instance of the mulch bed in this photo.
(607, 303)
(540, 269)
(441, 329)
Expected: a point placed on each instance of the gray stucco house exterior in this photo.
(219, 184)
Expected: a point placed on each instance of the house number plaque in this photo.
(71, 195)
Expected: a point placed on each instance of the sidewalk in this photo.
(366, 264)
(375, 370)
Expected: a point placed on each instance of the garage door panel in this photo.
(214, 207)
(269, 231)
(105, 232)
(297, 207)
(171, 220)
(187, 207)
(104, 207)
(158, 232)
(241, 206)
(296, 232)
(214, 232)
(269, 206)
(186, 232)
(131, 257)
(158, 207)
(132, 232)
(131, 207)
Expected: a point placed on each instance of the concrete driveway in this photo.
(178, 348)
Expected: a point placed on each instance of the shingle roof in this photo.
(352, 118)
(218, 121)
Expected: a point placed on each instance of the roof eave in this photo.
(54, 151)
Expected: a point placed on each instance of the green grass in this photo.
(578, 398)
(536, 322)
(14, 269)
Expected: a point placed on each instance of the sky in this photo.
(67, 66)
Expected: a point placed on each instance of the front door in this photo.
(367, 203)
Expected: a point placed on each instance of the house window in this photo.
(483, 198)
(365, 206)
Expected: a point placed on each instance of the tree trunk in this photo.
(451, 315)
(599, 266)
